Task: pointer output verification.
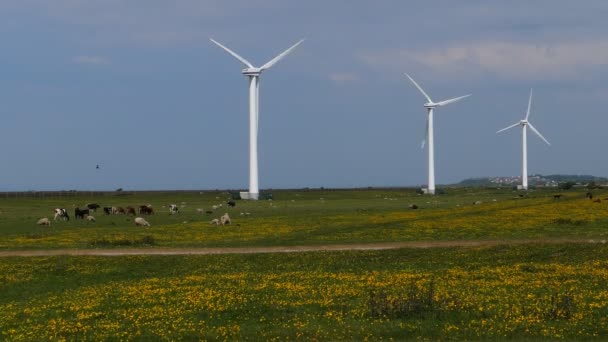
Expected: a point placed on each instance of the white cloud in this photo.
(507, 59)
(90, 60)
(344, 77)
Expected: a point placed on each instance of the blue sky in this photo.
(137, 87)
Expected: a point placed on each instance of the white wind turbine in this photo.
(430, 106)
(254, 107)
(524, 124)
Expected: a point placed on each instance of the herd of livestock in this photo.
(147, 209)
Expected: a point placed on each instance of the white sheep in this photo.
(200, 210)
(225, 219)
(215, 222)
(44, 222)
(90, 218)
(140, 221)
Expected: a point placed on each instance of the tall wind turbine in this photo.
(430, 106)
(524, 124)
(254, 108)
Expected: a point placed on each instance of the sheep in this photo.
(90, 218)
(225, 219)
(200, 210)
(140, 221)
(215, 222)
(44, 222)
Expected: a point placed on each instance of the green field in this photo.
(308, 218)
(533, 291)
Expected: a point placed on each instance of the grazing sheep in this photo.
(477, 202)
(225, 219)
(245, 214)
(140, 221)
(200, 210)
(215, 222)
(44, 222)
(90, 218)
(214, 207)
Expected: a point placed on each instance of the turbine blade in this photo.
(280, 56)
(234, 54)
(426, 133)
(419, 88)
(506, 128)
(443, 103)
(529, 105)
(538, 133)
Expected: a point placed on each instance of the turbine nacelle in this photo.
(252, 71)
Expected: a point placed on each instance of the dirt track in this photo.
(287, 249)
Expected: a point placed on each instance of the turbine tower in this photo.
(525, 124)
(430, 106)
(253, 73)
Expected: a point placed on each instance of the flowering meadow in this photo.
(532, 292)
(309, 218)
(539, 290)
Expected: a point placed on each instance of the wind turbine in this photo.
(430, 106)
(524, 124)
(254, 108)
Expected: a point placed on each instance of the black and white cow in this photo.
(61, 213)
(173, 209)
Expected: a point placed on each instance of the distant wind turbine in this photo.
(430, 106)
(524, 124)
(254, 103)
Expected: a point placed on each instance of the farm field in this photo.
(308, 218)
(526, 292)
(546, 289)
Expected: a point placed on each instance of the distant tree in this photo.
(566, 185)
(119, 190)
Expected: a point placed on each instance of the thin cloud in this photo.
(511, 60)
(90, 60)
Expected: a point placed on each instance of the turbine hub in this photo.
(252, 72)
(430, 105)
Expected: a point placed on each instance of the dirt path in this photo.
(289, 249)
